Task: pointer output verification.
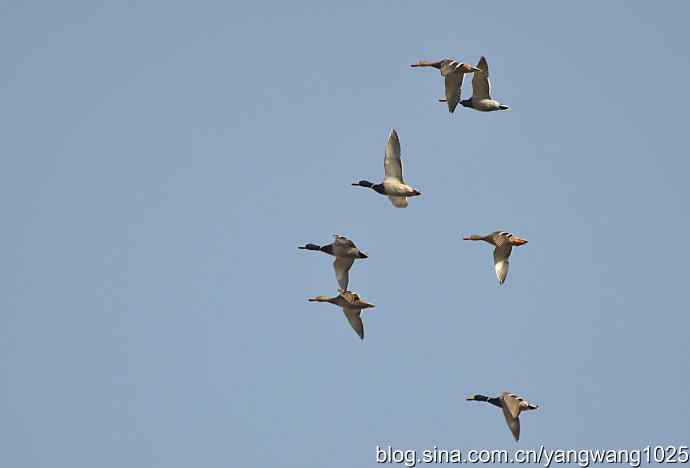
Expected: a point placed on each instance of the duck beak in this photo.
(475, 69)
(416, 192)
(470, 398)
(519, 241)
(363, 255)
(367, 305)
(466, 238)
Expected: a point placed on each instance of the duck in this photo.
(345, 252)
(352, 306)
(453, 71)
(504, 242)
(512, 405)
(481, 91)
(393, 184)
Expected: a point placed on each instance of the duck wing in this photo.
(501, 263)
(392, 165)
(512, 403)
(481, 86)
(398, 202)
(513, 423)
(453, 89)
(353, 316)
(342, 265)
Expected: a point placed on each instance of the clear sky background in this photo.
(162, 161)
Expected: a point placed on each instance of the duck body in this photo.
(483, 105)
(396, 188)
(392, 188)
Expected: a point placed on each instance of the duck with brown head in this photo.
(503, 243)
(453, 72)
(352, 306)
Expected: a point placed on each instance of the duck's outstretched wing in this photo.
(513, 405)
(354, 317)
(481, 86)
(398, 202)
(501, 263)
(453, 89)
(392, 164)
(513, 424)
(342, 265)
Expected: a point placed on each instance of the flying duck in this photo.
(481, 91)
(453, 71)
(352, 306)
(345, 252)
(504, 242)
(512, 405)
(393, 184)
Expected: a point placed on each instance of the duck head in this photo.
(477, 398)
(426, 63)
(320, 299)
(363, 183)
(375, 187)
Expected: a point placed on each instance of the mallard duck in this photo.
(352, 306)
(504, 242)
(345, 252)
(512, 405)
(481, 91)
(453, 72)
(393, 184)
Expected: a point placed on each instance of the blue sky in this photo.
(162, 161)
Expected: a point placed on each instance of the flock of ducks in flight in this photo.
(394, 187)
